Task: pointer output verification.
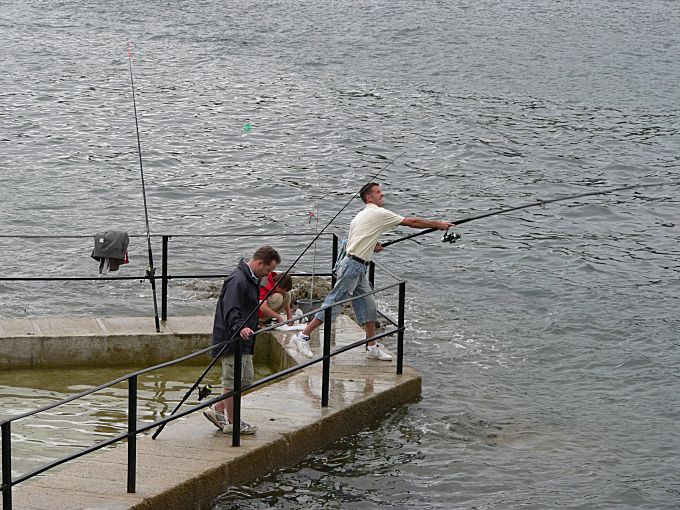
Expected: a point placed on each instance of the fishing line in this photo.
(150, 272)
(454, 236)
(236, 336)
(316, 230)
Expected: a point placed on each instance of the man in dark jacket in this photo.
(238, 300)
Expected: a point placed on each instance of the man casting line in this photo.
(364, 232)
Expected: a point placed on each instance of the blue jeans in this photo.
(352, 281)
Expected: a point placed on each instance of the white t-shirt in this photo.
(367, 227)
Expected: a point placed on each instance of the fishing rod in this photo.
(264, 299)
(150, 272)
(452, 237)
(316, 229)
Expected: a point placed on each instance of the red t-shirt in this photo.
(264, 290)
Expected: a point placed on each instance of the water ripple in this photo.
(547, 336)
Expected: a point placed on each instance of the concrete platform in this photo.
(120, 341)
(192, 462)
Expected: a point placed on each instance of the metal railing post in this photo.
(7, 466)
(371, 274)
(326, 372)
(132, 435)
(164, 280)
(335, 257)
(400, 325)
(238, 368)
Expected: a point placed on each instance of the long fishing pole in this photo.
(150, 272)
(316, 229)
(538, 203)
(236, 335)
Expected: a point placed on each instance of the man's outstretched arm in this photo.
(415, 222)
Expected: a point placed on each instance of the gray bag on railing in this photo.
(110, 249)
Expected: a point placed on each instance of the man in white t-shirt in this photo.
(362, 241)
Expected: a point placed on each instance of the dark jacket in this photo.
(238, 298)
(110, 246)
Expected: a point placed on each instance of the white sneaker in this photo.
(302, 345)
(382, 346)
(246, 428)
(297, 316)
(378, 353)
(215, 418)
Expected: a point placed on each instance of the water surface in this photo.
(548, 338)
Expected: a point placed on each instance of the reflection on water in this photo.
(67, 429)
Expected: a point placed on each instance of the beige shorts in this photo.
(277, 302)
(247, 371)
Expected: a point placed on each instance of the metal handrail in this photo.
(5, 426)
(144, 277)
(165, 364)
(164, 277)
(89, 236)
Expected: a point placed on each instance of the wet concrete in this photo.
(120, 341)
(192, 462)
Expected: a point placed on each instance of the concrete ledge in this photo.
(122, 341)
(192, 462)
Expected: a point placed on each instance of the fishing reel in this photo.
(204, 391)
(450, 237)
(150, 274)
